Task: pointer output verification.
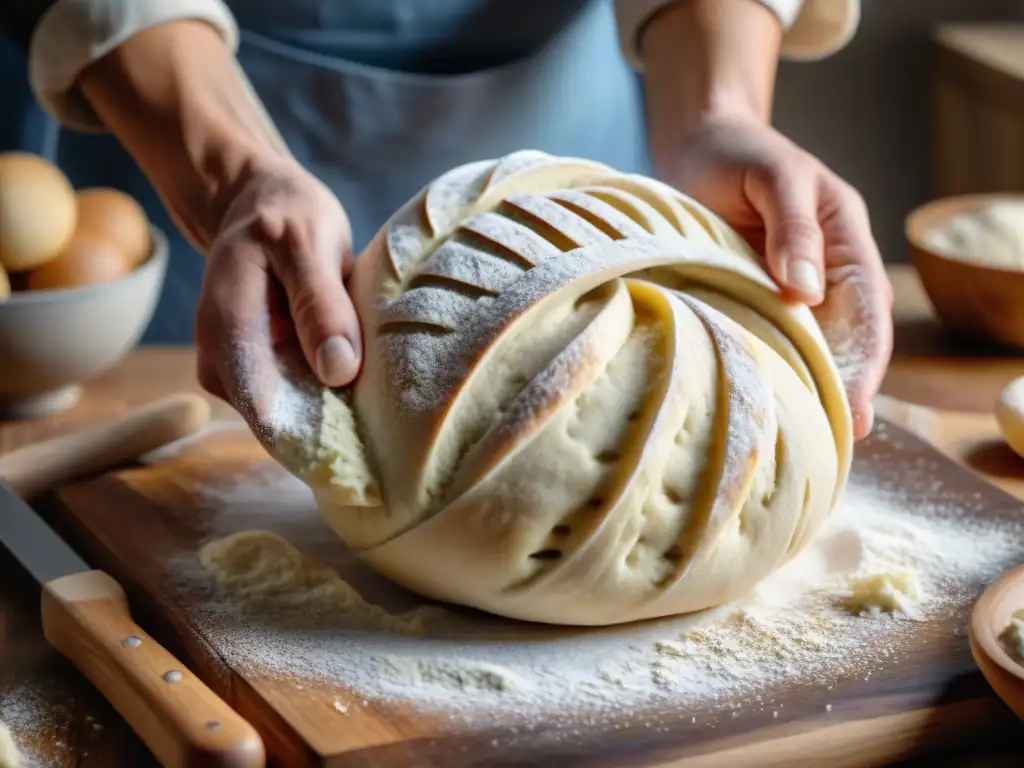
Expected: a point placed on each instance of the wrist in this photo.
(177, 100)
(708, 60)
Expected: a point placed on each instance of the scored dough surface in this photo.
(583, 401)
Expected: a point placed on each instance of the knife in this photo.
(85, 613)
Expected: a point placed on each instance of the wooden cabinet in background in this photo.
(977, 102)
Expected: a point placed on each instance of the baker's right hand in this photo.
(275, 274)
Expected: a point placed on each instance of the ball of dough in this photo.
(88, 259)
(37, 211)
(117, 217)
(1010, 414)
(583, 401)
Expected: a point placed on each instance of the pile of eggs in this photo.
(53, 238)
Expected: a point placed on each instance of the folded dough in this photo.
(583, 401)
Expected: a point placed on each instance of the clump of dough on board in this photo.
(991, 235)
(893, 591)
(583, 401)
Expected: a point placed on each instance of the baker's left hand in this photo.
(812, 229)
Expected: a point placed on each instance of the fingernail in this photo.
(336, 361)
(803, 275)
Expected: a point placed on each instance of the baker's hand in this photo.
(813, 230)
(274, 278)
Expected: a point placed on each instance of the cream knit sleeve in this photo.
(75, 33)
(814, 29)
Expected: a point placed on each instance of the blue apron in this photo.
(377, 97)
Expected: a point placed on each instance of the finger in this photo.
(787, 202)
(235, 359)
(311, 268)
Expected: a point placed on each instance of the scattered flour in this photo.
(35, 718)
(268, 575)
(287, 602)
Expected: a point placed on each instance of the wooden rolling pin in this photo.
(85, 612)
(44, 465)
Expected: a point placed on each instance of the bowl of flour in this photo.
(969, 254)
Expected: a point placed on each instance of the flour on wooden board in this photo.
(268, 609)
(271, 609)
(36, 715)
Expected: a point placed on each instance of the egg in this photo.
(5, 284)
(87, 259)
(38, 211)
(118, 217)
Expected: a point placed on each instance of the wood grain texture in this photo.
(81, 729)
(86, 617)
(935, 701)
(973, 299)
(977, 141)
(991, 615)
(47, 464)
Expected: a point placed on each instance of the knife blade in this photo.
(86, 617)
(33, 543)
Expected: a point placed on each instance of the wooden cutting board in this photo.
(138, 524)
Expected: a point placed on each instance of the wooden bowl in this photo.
(970, 299)
(989, 618)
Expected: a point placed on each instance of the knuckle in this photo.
(305, 303)
(800, 228)
(768, 176)
(853, 198)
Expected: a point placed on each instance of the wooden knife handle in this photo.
(44, 465)
(184, 723)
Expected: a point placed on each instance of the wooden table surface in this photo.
(82, 730)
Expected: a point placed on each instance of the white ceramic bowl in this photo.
(53, 341)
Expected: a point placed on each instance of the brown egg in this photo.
(37, 211)
(87, 259)
(116, 216)
(5, 284)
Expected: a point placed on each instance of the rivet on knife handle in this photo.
(184, 723)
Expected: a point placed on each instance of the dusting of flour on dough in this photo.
(851, 333)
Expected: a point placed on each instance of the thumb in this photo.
(325, 319)
(794, 246)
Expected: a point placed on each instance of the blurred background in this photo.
(927, 100)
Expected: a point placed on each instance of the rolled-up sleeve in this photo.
(72, 34)
(812, 29)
